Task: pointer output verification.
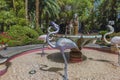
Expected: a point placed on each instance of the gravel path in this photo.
(97, 66)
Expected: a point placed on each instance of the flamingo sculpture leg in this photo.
(65, 60)
(114, 41)
(118, 54)
(61, 44)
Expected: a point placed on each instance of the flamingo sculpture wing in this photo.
(61, 44)
(114, 41)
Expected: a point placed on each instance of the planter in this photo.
(75, 55)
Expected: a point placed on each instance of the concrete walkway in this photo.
(16, 50)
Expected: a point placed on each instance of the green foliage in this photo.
(50, 7)
(22, 21)
(115, 34)
(39, 31)
(102, 32)
(12, 13)
(23, 35)
(4, 38)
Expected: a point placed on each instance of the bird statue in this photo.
(43, 38)
(61, 44)
(114, 41)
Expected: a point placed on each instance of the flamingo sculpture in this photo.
(43, 37)
(61, 44)
(114, 41)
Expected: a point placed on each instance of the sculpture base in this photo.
(75, 55)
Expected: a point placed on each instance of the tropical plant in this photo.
(23, 35)
(4, 38)
(49, 10)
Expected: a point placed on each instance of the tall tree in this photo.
(49, 10)
(26, 9)
(37, 14)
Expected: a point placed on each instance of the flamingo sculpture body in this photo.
(114, 41)
(61, 44)
(44, 37)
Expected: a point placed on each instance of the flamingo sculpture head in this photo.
(61, 44)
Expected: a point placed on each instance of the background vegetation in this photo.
(25, 20)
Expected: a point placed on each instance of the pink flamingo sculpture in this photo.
(114, 41)
(61, 44)
(43, 37)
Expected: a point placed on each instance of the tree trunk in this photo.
(113, 13)
(26, 10)
(47, 21)
(14, 8)
(37, 14)
(2, 27)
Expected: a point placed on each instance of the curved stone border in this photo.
(27, 52)
(3, 71)
(4, 68)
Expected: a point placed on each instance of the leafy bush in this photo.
(4, 38)
(102, 32)
(39, 31)
(22, 35)
(115, 34)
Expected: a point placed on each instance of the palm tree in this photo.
(49, 10)
(26, 9)
(37, 13)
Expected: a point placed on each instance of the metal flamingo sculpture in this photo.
(43, 37)
(61, 44)
(114, 41)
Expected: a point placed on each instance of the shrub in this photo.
(115, 34)
(4, 38)
(102, 32)
(39, 31)
(22, 34)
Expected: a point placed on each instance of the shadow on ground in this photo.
(57, 57)
(101, 60)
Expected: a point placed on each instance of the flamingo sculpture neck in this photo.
(51, 33)
(111, 31)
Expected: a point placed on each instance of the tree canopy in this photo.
(92, 13)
